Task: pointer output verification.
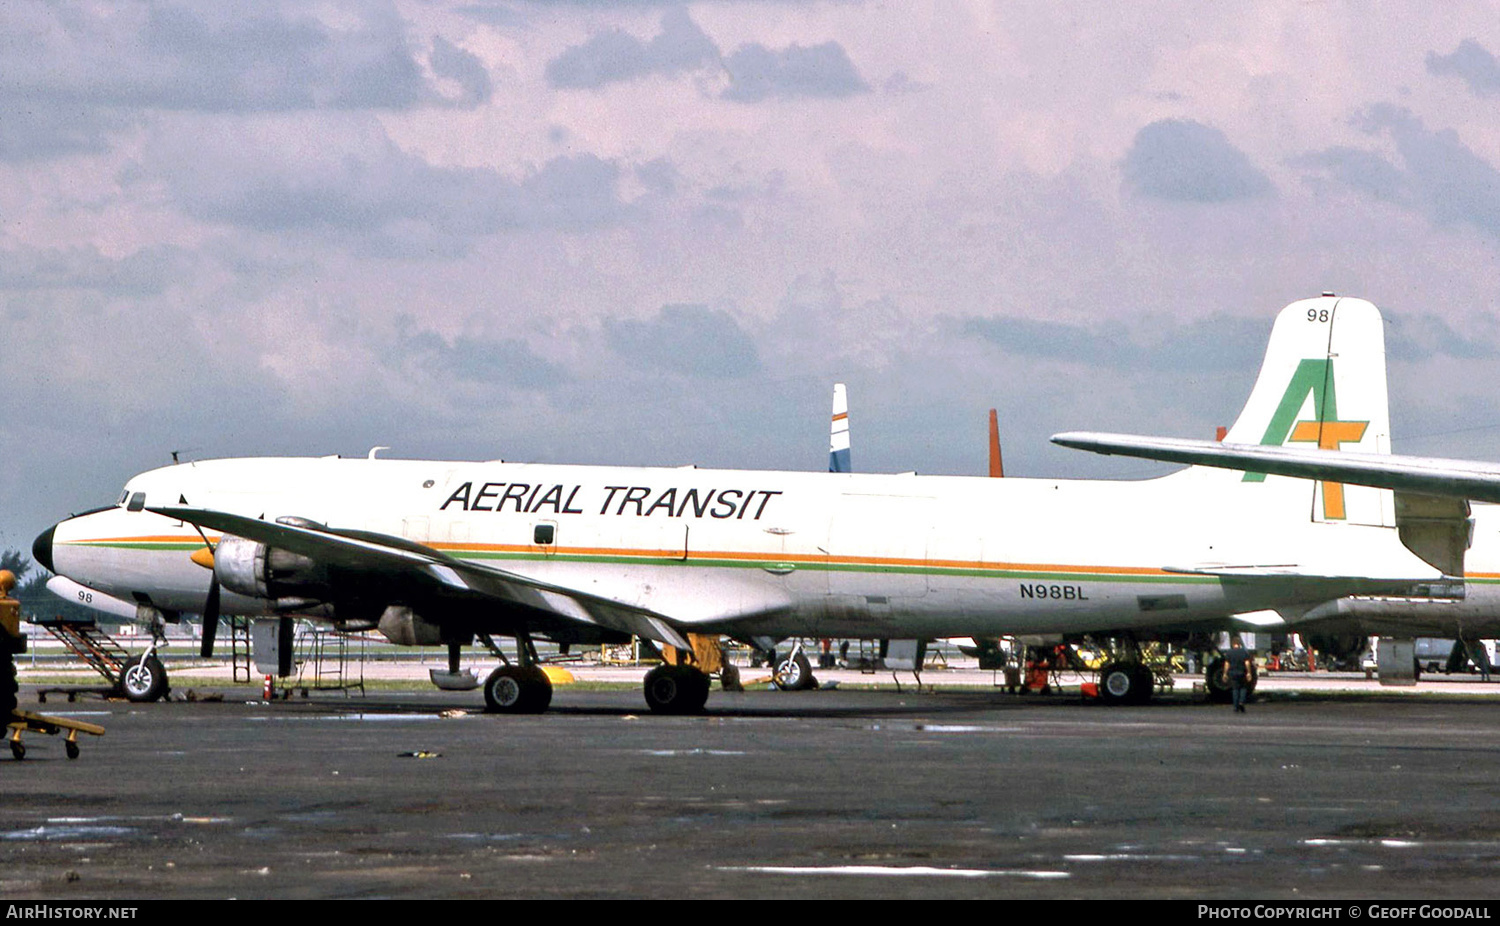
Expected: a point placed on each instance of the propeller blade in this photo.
(284, 642)
(210, 618)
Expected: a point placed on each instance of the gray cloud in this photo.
(220, 58)
(1415, 338)
(758, 73)
(659, 175)
(357, 182)
(34, 131)
(755, 72)
(1216, 343)
(1186, 161)
(487, 361)
(613, 56)
(1365, 171)
(1438, 174)
(452, 62)
(692, 340)
(1471, 63)
(145, 272)
(72, 75)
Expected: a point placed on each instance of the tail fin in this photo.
(838, 437)
(1323, 384)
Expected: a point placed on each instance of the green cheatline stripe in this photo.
(699, 562)
(704, 562)
(147, 545)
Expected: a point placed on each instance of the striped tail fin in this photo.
(838, 438)
(1323, 384)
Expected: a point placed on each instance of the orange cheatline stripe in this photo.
(736, 555)
(780, 557)
(840, 416)
(148, 538)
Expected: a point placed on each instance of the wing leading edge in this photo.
(1434, 476)
(434, 570)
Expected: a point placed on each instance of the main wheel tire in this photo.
(142, 679)
(1214, 683)
(540, 691)
(1119, 683)
(675, 690)
(517, 690)
(793, 674)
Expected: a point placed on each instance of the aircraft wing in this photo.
(427, 568)
(1421, 475)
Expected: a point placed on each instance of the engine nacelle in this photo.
(253, 569)
(405, 627)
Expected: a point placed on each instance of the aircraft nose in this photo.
(41, 548)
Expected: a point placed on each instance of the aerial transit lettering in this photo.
(640, 501)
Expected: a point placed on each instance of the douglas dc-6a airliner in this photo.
(450, 551)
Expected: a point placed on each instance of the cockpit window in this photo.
(137, 502)
(124, 494)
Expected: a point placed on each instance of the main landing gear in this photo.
(1125, 683)
(680, 684)
(522, 687)
(517, 689)
(678, 689)
(1126, 676)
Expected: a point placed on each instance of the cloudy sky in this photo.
(657, 233)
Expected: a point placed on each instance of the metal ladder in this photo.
(92, 645)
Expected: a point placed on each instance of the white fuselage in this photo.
(779, 553)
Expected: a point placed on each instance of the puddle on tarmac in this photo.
(1387, 843)
(50, 832)
(1131, 857)
(945, 728)
(898, 871)
(355, 718)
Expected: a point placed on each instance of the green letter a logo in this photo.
(1324, 429)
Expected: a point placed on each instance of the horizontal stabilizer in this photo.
(1423, 475)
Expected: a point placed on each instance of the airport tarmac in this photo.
(820, 794)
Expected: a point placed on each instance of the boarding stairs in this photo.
(88, 642)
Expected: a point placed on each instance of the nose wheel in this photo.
(143, 678)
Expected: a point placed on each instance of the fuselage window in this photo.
(544, 534)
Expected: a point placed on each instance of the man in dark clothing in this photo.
(1237, 672)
